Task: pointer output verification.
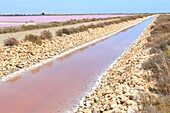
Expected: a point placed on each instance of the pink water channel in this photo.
(13, 19)
(58, 86)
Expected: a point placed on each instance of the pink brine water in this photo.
(9, 25)
(50, 18)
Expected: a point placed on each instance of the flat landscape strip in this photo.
(21, 34)
(31, 25)
(51, 18)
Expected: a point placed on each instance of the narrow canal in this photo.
(59, 85)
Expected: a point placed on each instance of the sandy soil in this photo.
(21, 35)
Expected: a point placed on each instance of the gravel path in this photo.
(21, 35)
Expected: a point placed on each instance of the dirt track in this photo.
(21, 35)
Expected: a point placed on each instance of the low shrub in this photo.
(92, 26)
(163, 46)
(155, 63)
(66, 31)
(11, 42)
(33, 38)
(82, 28)
(100, 25)
(69, 31)
(63, 31)
(158, 59)
(74, 30)
(59, 33)
(162, 27)
(46, 35)
(154, 50)
(149, 64)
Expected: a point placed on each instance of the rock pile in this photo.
(122, 88)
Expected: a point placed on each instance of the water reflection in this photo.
(16, 78)
(58, 85)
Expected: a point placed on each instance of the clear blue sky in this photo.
(83, 6)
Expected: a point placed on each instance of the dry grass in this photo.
(69, 31)
(33, 38)
(48, 25)
(159, 63)
(57, 24)
(11, 42)
(46, 35)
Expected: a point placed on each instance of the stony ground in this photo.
(121, 90)
(21, 35)
(27, 54)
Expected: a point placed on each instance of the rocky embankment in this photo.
(122, 88)
(27, 53)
